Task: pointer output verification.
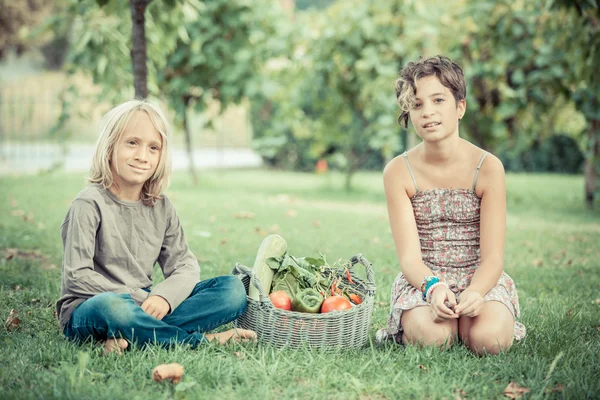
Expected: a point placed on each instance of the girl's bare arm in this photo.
(492, 225)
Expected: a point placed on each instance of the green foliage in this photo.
(557, 153)
(218, 52)
(197, 51)
(332, 92)
(508, 83)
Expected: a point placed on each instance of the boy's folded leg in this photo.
(109, 316)
(212, 303)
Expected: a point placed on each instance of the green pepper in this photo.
(307, 300)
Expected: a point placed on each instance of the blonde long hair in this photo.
(112, 127)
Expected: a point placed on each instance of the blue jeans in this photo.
(212, 303)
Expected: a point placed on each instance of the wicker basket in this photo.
(334, 330)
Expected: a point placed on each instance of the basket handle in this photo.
(358, 258)
(241, 269)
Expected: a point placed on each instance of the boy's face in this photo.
(435, 114)
(137, 154)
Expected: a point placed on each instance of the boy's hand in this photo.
(470, 304)
(156, 306)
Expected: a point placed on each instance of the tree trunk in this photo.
(138, 47)
(188, 139)
(592, 162)
(349, 174)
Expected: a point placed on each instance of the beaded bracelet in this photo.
(427, 283)
(429, 292)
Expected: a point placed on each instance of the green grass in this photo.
(553, 253)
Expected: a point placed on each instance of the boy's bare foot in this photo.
(238, 335)
(115, 346)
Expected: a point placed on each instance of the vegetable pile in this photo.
(304, 284)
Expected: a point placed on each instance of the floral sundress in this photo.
(448, 225)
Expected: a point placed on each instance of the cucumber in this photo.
(271, 246)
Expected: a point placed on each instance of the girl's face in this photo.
(137, 154)
(435, 114)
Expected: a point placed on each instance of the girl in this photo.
(447, 211)
(117, 228)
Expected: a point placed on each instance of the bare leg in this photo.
(420, 329)
(237, 335)
(491, 332)
(115, 346)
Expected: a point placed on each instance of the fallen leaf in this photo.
(569, 262)
(274, 228)
(598, 327)
(556, 389)
(572, 238)
(223, 242)
(597, 301)
(239, 355)
(12, 322)
(10, 253)
(528, 243)
(18, 213)
(292, 213)
(317, 224)
(580, 273)
(28, 217)
(537, 262)
(460, 394)
(244, 215)
(28, 255)
(515, 391)
(570, 312)
(173, 371)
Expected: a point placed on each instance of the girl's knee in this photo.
(438, 336)
(486, 340)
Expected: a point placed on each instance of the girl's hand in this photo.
(470, 304)
(441, 312)
(156, 306)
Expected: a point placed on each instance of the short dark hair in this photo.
(447, 71)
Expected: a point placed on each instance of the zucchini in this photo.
(273, 246)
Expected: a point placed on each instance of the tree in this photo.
(198, 52)
(138, 47)
(579, 41)
(334, 92)
(16, 16)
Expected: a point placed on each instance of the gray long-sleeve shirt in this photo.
(112, 245)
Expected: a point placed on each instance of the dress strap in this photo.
(410, 170)
(478, 168)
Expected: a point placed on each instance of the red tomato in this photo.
(335, 303)
(355, 298)
(280, 299)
